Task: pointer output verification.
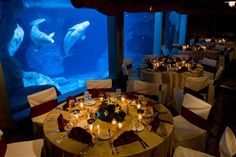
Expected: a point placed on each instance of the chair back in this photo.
(154, 77)
(197, 83)
(210, 62)
(196, 105)
(220, 48)
(227, 145)
(43, 101)
(99, 84)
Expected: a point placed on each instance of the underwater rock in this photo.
(34, 78)
(16, 40)
(46, 60)
(38, 37)
(74, 33)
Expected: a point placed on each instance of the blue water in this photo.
(47, 62)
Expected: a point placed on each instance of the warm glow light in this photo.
(231, 3)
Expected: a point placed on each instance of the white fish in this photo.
(16, 40)
(74, 33)
(40, 38)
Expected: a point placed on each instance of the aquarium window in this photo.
(138, 35)
(60, 45)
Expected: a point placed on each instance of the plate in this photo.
(139, 128)
(90, 102)
(104, 135)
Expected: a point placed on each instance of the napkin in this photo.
(80, 135)
(155, 123)
(70, 101)
(61, 122)
(125, 138)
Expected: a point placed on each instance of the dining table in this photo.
(151, 142)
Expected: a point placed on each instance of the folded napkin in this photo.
(80, 135)
(62, 122)
(70, 101)
(155, 123)
(125, 138)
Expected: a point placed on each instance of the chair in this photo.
(20, 149)
(196, 86)
(227, 147)
(154, 77)
(190, 126)
(41, 103)
(97, 86)
(148, 89)
(127, 69)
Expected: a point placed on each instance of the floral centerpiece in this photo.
(107, 112)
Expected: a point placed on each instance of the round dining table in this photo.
(159, 142)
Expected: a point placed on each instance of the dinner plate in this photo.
(104, 135)
(90, 102)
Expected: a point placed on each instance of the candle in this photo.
(122, 98)
(101, 99)
(90, 127)
(81, 105)
(113, 121)
(120, 125)
(138, 106)
(140, 117)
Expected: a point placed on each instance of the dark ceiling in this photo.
(115, 7)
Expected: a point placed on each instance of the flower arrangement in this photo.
(107, 112)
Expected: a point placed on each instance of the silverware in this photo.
(142, 142)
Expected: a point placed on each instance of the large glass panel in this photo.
(61, 45)
(138, 36)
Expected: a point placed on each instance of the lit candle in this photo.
(101, 98)
(138, 106)
(113, 121)
(140, 117)
(90, 127)
(120, 125)
(123, 98)
(81, 105)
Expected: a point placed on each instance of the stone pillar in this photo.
(115, 26)
(182, 31)
(157, 33)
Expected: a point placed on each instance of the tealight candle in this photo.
(81, 104)
(120, 125)
(113, 121)
(138, 106)
(101, 98)
(122, 98)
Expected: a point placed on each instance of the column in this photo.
(157, 33)
(182, 31)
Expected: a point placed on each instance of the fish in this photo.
(74, 33)
(16, 40)
(38, 37)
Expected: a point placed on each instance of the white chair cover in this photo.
(154, 77)
(197, 83)
(187, 152)
(218, 72)
(227, 146)
(99, 84)
(220, 47)
(188, 134)
(24, 149)
(40, 98)
(148, 88)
